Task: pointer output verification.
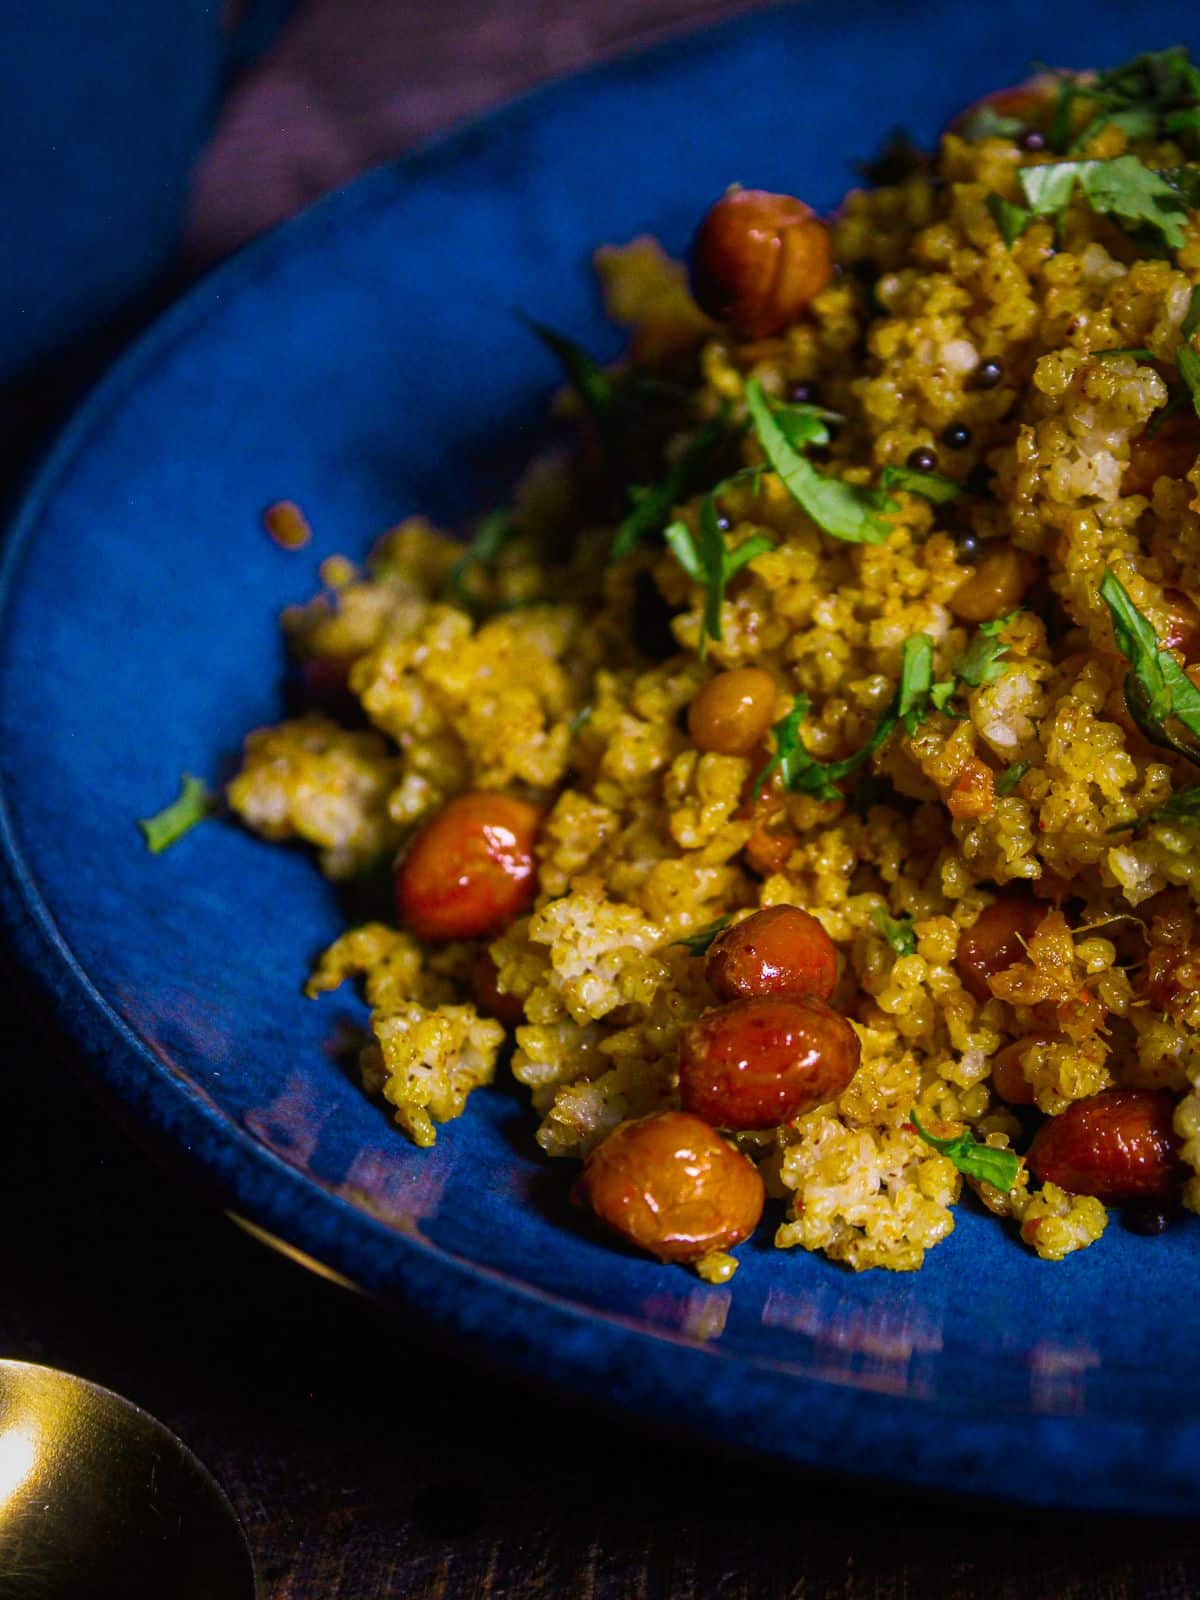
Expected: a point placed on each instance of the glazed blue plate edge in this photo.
(1092, 1464)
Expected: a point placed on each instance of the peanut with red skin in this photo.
(470, 870)
(1117, 1145)
(672, 1186)
(759, 1063)
(758, 260)
(996, 941)
(781, 950)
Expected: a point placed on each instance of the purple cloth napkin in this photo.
(353, 82)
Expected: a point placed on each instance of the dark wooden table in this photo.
(366, 1463)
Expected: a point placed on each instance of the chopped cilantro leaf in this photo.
(1012, 220)
(593, 385)
(1138, 122)
(195, 802)
(1189, 371)
(697, 943)
(1182, 806)
(930, 485)
(709, 561)
(580, 720)
(898, 932)
(1185, 181)
(653, 506)
(801, 772)
(803, 425)
(495, 531)
(985, 122)
(1011, 777)
(1192, 321)
(916, 680)
(1154, 95)
(1157, 690)
(1123, 187)
(842, 509)
(973, 1159)
(982, 661)
(1131, 350)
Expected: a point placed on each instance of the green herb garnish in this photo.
(1132, 350)
(496, 530)
(1157, 689)
(916, 694)
(1189, 371)
(196, 802)
(843, 510)
(983, 659)
(580, 720)
(1182, 806)
(985, 122)
(1011, 777)
(1124, 188)
(973, 1159)
(1155, 95)
(897, 931)
(591, 383)
(916, 681)
(653, 505)
(805, 424)
(699, 941)
(709, 561)
(930, 485)
(1012, 220)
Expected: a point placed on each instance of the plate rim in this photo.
(438, 1286)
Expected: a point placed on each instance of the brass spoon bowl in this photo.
(97, 1499)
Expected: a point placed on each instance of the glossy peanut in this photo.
(1117, 1145)
(758, 260)
(1182, 631)
(1028, 102)
(997, 940)
(1168, 451)
(672, 1186)
(997, 585)
(758, 1063)
(1008, 1076)
(781, 950)
(733, 712)
(490, 999)
(470, 870)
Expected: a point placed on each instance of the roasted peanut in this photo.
(672, 1186)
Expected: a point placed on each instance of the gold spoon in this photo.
(97, 1499)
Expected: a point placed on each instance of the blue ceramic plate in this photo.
(364, 360)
